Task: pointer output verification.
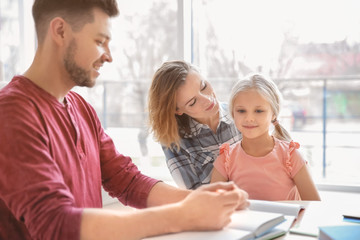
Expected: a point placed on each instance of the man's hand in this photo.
(210, 206)
(229, 186)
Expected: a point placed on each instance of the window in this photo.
(312, 50)
(17, 38)
(318, 71)
(143, 36)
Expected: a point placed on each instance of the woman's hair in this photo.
(268, 89)
(76, 12)
(164, 123)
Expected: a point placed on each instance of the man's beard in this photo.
(78, 75)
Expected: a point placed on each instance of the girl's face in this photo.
(196, 98)
(252, 114)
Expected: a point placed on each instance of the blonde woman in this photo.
(189, 122)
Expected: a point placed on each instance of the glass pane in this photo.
(312, 59)
(17, 38)
(338, 131)
(9, 40)
(143, 36)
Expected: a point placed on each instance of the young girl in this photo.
(268, 167)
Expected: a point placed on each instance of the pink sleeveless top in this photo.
(265, 178)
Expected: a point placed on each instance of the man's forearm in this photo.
(206, 208)
(109, 224)
(137, 224)
(163, 193)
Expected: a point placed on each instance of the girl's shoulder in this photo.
(226, 154)
(291, 157)
(286, 146)
(227, 150)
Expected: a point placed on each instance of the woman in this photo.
(189, 122)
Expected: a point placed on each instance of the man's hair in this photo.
(76, 12)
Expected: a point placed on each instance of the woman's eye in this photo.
(192, 104)
(204, 87)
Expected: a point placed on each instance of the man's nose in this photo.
(106, 57)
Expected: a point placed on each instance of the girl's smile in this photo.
(252, 114)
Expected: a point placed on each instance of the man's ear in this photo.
(57, 30)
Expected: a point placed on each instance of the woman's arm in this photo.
(185, 172)
(305, 185)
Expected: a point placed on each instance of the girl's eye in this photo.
(240, 111)
(259, 111)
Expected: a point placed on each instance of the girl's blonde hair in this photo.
(268, 89)
(164, 123)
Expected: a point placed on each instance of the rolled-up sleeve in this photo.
(121, 178)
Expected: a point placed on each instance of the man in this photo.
(54, 154)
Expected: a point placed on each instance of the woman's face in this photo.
(196, 98)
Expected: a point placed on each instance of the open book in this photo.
(262, 220)
(256, 223)
(265, 219)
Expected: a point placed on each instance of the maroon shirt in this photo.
(53, 160)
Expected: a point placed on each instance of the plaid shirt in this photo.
(192, 165)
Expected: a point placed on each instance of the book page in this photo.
(291, 209)
(254, 221)
(317, 214)
(226, 233)
(279, 230)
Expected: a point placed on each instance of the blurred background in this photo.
(311, 49)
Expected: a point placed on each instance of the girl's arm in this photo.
(217, 177)
(305, 185)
